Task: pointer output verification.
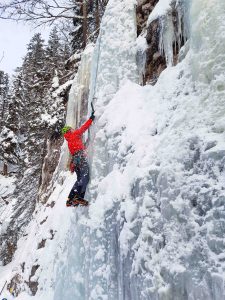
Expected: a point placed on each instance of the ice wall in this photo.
(207, 42)
(114, 62)
(155, 226)
(79, 93)
(114, 56)
(77, 106)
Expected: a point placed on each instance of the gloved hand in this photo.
(92, 117)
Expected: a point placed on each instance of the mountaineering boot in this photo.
(79, 201)
(76, 201)
(69, 202)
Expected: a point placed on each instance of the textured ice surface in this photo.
(155, 226)
(114, 58)
(80, 89)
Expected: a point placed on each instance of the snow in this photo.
(62, 88)
(141, 43)
(161, 9)
(141, 47)
(6, 185)
(47, 219)
(75, 57)
(46, 118)
(55, 81)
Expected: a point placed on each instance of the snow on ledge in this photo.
(161, 8)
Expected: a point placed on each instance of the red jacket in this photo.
(74, 138)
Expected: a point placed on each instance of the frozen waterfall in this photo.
(154, 228)
(114, 62)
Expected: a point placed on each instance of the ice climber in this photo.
(79, 162)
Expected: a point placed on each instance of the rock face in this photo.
(144, 8)
(157, 32)
(155, 61)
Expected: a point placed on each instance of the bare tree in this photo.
(38, 11)
(44, 11)
(82, 13)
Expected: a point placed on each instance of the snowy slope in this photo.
(155, 226)
(7, 186)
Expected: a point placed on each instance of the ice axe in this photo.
(93, 112)
(92, 107)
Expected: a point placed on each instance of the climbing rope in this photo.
(3, 287)
(96, 73)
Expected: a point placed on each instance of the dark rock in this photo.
(42, 222)
(14, 286)
(42, 244)
(52, 204)
(33, 285)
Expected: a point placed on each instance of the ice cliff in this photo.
(155, 225)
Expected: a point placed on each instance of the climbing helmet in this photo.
(65, 129)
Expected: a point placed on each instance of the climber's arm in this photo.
(84, 127)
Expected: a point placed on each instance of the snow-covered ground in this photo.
(7, 186)
(43, 244)
(155, 225)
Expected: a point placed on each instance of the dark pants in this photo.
(82, 171)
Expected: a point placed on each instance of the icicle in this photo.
(183, 23)
(167, 38)
(77, 105)
(55, 80)
(79, 89)
(173, 33)
(141, 55)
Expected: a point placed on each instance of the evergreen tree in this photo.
(27, 102)
(9, 150)
(86, 27)
(34, 67)
(54, 52)
(57, 53)
(16, 101)
(4, 95)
